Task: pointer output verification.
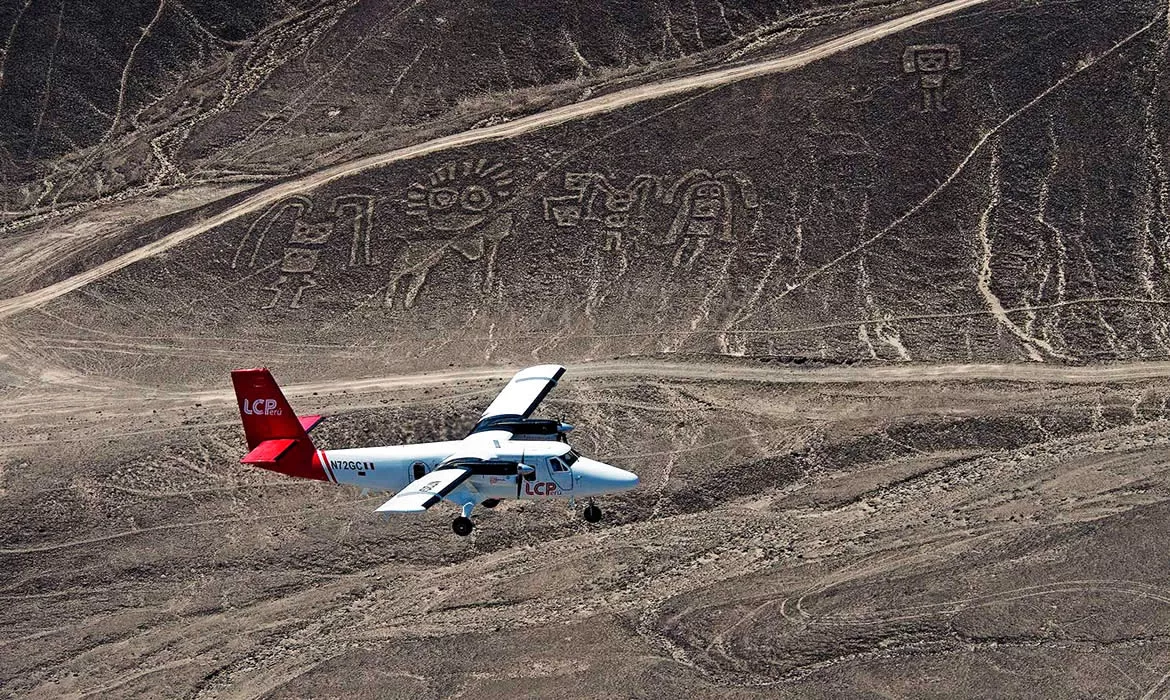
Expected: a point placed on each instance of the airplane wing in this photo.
(520, 397)
(423, 493)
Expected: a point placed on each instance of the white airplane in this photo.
(506, 455)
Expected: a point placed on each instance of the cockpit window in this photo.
(570, 457)
(558, 465)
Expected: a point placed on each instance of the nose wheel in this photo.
(462, 526)
(592, 513)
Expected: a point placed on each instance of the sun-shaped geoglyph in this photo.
(458, 196)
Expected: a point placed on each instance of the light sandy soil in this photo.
(975, 530)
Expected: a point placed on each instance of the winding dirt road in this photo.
(535, 122)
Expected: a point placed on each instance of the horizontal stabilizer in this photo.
(310, 422)
(267, 452)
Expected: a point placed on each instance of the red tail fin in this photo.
(263, 408)
(276, 437)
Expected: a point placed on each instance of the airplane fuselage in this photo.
(553, 473)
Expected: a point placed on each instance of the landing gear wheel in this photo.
(592, 514)
(462, 526)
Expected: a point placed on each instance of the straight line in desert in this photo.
(524, 125)
(651, 369)
(489, 379)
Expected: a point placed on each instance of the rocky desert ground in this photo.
(872, 296)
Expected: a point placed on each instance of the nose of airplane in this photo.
(604, 478)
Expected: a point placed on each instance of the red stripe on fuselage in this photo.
(321, 464)
(328, 467)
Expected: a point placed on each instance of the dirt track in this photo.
(650, 369)
(54, 401)
(579, 110)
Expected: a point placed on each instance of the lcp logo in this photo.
(260, 407)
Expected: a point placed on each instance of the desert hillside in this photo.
(872, 296)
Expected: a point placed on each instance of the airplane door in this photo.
(561, 473)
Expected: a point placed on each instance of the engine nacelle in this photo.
(526, 428)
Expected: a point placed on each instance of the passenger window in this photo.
(419, 470)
